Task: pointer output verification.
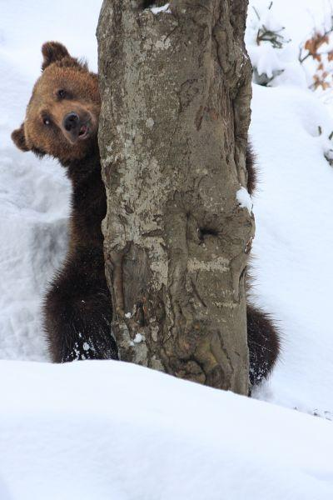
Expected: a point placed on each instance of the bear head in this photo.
(62, 114)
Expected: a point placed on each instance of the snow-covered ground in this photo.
(294, 241)
(115, 431)
(294, 212)
(145, 435)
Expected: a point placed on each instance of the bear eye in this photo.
(61, 94)
(46, 121)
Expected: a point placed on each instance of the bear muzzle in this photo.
(76, 127)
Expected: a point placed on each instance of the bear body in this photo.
(62, 121)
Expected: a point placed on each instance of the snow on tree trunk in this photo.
(175, 87)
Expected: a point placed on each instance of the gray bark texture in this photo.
(176, 91)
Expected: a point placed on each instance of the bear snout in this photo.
(76, 127)
(71, 121)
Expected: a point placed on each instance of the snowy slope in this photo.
(294, 241)
(138, 434)
(294, 213)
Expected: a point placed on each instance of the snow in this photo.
(294, 238)
(244, 199)
(147, 435)
(117, 431)
(275, 66)
(290, 133)
(164, 8)
(138, 338)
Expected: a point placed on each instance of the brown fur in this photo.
(251, 170)
(264, 344)
(77, 308)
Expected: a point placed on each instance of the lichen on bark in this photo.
(176, 90)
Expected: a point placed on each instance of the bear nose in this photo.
(71, 121)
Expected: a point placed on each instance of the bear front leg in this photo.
(78, 313)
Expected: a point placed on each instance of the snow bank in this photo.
(290, 132)
(294, 239)
(109, 430)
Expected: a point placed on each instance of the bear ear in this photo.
(52, 52)
(18, 137)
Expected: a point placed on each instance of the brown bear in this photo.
(62, 121)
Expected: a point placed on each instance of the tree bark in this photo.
(176, 91)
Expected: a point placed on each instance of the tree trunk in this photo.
(176, 90)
